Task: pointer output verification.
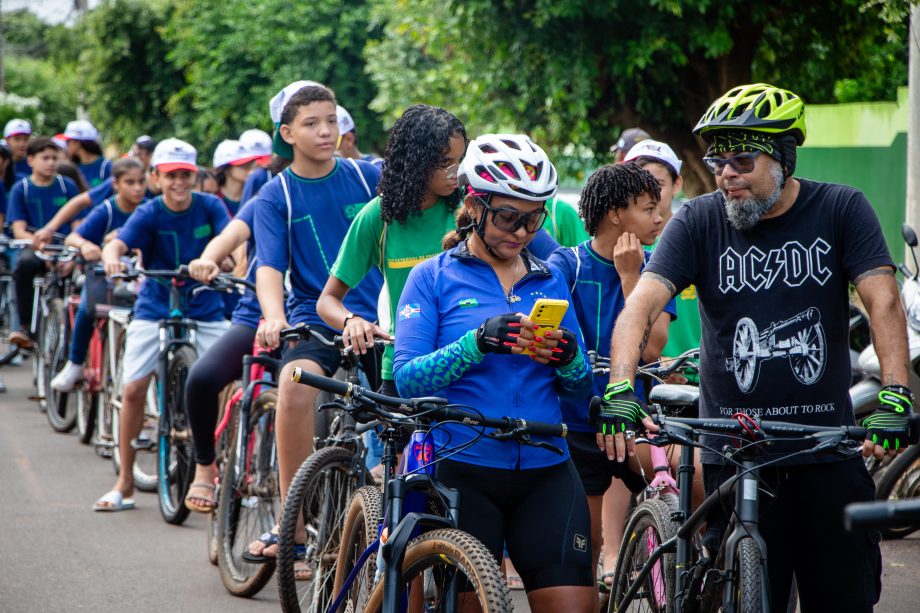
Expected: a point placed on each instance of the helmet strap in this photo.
(480, 226)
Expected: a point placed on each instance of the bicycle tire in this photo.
(452, 550)
(899, 481)
(61, 413)
(221, 448)
(175, 453)
(320, 494)
(362, 522)
(748, 585)
(248, 503)
(648, 526)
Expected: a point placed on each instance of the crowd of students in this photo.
(445, 241)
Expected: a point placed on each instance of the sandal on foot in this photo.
(267, 539)
(113, 502)
(200, 504)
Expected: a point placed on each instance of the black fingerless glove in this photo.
(888, 426)
(565, 351)
(499, 334)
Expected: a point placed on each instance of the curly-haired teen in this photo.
(403, 226)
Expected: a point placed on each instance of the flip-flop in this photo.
(268, 539)
(200, 504)
(114, 501)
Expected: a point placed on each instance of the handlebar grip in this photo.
(881, 514)
(333, 386)
(543, 429)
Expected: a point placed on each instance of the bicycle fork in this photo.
(747, 510)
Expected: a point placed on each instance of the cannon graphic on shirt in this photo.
(800, 339)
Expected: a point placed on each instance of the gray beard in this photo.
(744, 214)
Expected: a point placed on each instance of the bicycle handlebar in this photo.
(302, 331)
(881, 514)
(221, 282)
(601, 365)
(436, 408)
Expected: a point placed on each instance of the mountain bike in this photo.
(426, 568)
(321, 489)
(660, 566)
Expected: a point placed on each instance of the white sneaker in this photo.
(69, 376)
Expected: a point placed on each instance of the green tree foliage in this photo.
(573, 73)
(128, 80)
(236, 54)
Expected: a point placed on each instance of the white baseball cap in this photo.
(346, 123)
(655, 149)
(81, 129)
(258, 143)
(276, 107)
(17, 126)
(232, 152)
(174, 154)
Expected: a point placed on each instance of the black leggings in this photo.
(222, 364)
(27, 268)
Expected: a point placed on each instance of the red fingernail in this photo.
(507, 344)
(562, 340)
(557, 350)
(514, 325)
(513, 335)
(539, 338)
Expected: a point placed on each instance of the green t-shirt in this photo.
(564, 224)
(402, 247)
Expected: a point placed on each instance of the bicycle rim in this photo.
(362, 522)
(648, 527)
(61, 413)
(441, 557)
(319, 496)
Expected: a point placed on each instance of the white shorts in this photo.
(142, 345)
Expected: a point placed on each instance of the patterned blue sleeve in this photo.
(428, 374)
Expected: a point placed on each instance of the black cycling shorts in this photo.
(540, 513)
(329, 358)
(595, 470)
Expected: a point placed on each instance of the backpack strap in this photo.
(102, 168)
(25, 188)
(367, 187)
(381, 246)
(577, 269)
(108, 207)
(290, 212)
(62, 184)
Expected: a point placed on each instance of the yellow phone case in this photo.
(547, 313)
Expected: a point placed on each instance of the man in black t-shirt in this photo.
(772, 257)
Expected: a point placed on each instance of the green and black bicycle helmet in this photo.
(759, 108)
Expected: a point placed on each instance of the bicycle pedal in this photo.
(180, 436)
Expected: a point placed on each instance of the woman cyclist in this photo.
(460, 335)
(232, 164)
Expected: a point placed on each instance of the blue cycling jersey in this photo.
(254, 182)
(598, 299)
(444, 301)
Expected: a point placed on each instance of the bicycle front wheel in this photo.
(362, 522)
(436, 559)
(317, 500)
(175, 454)
(60, 412)
(648, 527)
(901, 480)
(747, 595)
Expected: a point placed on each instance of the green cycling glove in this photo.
(889, 425)
(621, 410)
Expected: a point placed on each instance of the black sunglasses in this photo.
(742, 163)
(509, 220)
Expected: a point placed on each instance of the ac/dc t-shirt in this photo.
(774, 304)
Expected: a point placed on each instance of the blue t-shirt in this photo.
(254, 182)
(3, 201)
(543, 245)
(248, 311)
(22, 168)
(598, 298)
(233, 206)
(106, 189)
(36, 205)
(96, 171)
(321, 212)
(101, 220)
(167, 240)
(447, 296)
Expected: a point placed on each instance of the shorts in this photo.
(595, 470)
(802, 525)
(142, 345)
(540, 513)
(329, 358)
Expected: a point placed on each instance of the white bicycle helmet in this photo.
(509, 165)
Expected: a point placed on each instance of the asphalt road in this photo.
(56, 554)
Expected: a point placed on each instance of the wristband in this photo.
(348, 317)
(659, 469)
